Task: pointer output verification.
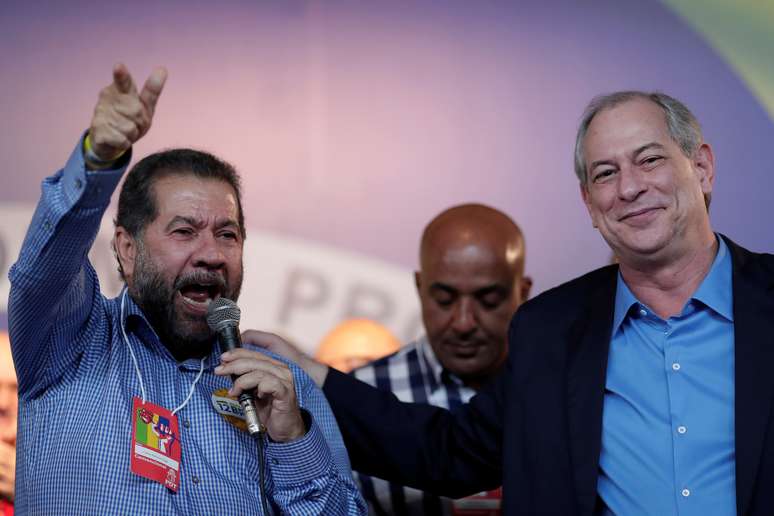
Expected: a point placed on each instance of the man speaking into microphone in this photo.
(127, 405)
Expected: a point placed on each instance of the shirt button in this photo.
(681, 429)
(187, 423)
(686, 493)
(643, 312)
(78, 183)
(195, 479)
(274, 461)
(676, 366)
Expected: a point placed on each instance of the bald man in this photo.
(470, 282)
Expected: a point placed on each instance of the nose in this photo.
(464, 317)
(209, 253)
(631, 184)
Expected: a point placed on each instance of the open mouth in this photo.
(199, 295)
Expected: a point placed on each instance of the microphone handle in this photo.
(229, 339)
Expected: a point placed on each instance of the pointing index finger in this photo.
(122, 79)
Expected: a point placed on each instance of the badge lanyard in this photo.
(156, 452)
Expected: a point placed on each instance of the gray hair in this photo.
(682, 125)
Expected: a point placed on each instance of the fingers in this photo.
(151, 90)
(265, 339)
(122, 80)
(230, 356)
(280, 346)
(272, 383)
(257, 371)
(122, 115)
(266, 386)
(273, 343)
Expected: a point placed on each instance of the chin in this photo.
(644, 242)
(192, 330)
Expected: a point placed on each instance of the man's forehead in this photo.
(632, 123)
(469, 265)
(193, 197)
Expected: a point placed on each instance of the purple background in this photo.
(354, 123)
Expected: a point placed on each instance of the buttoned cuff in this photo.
(90, 188)
(300, 461)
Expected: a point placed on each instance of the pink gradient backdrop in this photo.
(354, 123)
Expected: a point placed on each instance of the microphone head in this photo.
(223, 313)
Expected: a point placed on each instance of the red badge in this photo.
(482, 504)
(155, 444)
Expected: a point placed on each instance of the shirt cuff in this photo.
(300, 461)
(90, 188)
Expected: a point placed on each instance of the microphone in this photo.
(223, 319)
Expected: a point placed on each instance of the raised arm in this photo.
(54, 289)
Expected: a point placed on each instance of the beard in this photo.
(184, 335)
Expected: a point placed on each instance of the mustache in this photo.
(207, 278)
(465, 342)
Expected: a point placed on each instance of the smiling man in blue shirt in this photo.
(125, 405)
(641, 388)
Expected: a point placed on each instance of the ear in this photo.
(525, 286)
(704, 164)
(418, 281)
(586, 196)
(126, 251)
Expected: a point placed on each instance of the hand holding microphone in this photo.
(255, 374)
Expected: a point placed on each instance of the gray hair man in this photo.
(643, 387)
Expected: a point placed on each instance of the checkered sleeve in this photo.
(312, 475)
(54, 289)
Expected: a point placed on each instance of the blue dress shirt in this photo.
(77, 380)
(668, 417)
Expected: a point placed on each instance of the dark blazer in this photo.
(537, 427)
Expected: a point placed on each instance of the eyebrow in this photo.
(491, 289)
(647, 146)
(442, 286)
(197, 223)
(483, 291)
(637, 152)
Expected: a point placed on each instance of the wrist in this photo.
(316, 370)
(296, 431)
(95, 162)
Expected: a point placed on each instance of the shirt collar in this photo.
(134, 321)
(715, 290)
(624, 300)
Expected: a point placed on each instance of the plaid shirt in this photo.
(77, 381)
(413, 374)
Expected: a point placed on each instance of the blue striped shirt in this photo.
(668, 418)
(77, 381)
(413, 374)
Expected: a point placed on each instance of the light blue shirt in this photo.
(668, 419)
(77, 380)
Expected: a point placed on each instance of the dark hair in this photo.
(136, 203)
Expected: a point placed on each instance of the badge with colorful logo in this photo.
(155, 444)
(229, 408)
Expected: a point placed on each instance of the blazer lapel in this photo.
(587, 367)
(753, 290)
